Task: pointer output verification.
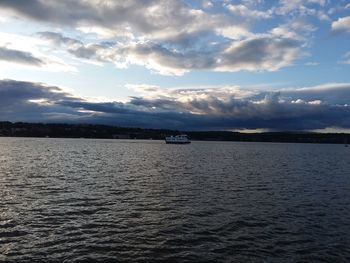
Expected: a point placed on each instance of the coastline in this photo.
(95, 131)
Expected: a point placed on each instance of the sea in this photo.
(87, 200)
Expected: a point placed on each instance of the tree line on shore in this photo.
(56, 130)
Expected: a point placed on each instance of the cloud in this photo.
(18, 58)
(29, 101)
(207, 4)
(330, 93)
(21, 57)
(59, 39)
(21, 51)
(346, 58)
(206, 108)
(268, 52)
(165, 36)
(265, 53)
(146, 18)
(76, 47)
(298, 7)
(312, 63)
(244, 11)
(342, 24)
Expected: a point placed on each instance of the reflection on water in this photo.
(78, 200)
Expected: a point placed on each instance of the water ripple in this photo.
(69, 200)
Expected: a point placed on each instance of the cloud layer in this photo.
(170, 37)
(211, 108)
(268, 52)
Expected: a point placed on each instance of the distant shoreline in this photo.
(93, 131)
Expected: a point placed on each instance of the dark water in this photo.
(66, 200)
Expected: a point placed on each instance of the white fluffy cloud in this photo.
(342, 24)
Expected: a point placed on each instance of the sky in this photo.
(240, 65)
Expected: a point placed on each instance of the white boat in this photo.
(177, 139)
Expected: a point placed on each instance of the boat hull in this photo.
(168, 142)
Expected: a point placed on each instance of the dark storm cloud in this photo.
(21, 57)
(204, 109)
(330, 93)
(270, 113)
(19, 101)
(101, 107)
(12, 91)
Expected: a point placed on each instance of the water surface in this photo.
(78, 200)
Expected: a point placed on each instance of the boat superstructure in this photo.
(177, 139)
